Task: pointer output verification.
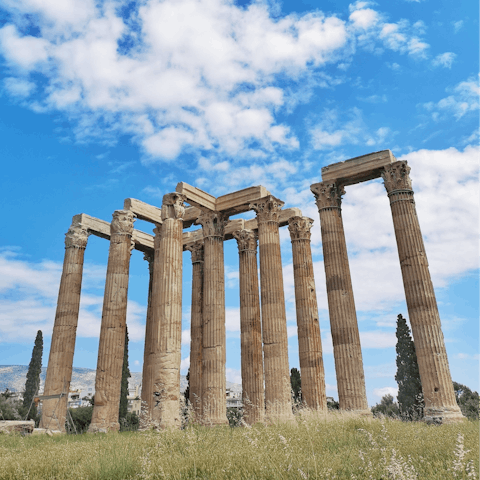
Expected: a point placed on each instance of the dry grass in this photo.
(325, 447)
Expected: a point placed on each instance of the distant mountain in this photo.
(13, 377)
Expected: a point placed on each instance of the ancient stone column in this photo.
(59, 370)
(250, 329)
(309, 341)
(341, 305)
(274, 320)
(167, 313)
(147, 373)
(112, 332)
(196, 335)
(440, 403)
(214, 402)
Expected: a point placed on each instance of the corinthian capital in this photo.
(173, 206)
(299, 228)
(76, 236)
(267, 209)
(396, 176)
(213, 223)
(197, 251)
(327, 195)
(246, 240)
(122, 222)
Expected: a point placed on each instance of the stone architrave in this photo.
(309, 340)
(214, 403)
(167, 313)
(59, 370)
(274, 320)
(196, 335)
(440, 403)
(112, 332)
(250, 328)
(147, 373)
(343, 318)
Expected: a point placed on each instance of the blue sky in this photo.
(106, 100)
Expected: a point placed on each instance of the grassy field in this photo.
(335, 446)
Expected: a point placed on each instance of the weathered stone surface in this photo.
(357, 169)
(196, 197)
(214, 405)
(196, 335)
(440, 403)
(274, 321)
(17, 426)
(59, 370)
(309, 341)
(341, 305)
(112, 332)
(250, 329)
(239, 201)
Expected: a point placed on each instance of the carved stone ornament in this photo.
(122, 222)
(396, 176)
(246, 239)
(173, 206)
(213, 223)
(327, 195)
(267, 209)
(76, 236)
(299, 228)
(197, 251)
(149, 258)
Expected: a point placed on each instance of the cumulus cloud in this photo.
(380, 392)
(444, 60)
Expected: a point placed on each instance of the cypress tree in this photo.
(33, 378)
(123, 410)
(296, 384)
(186, 393)
(410, 397)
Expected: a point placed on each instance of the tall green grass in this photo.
(334, 446)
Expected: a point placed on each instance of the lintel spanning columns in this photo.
(274, 320)
(439, 396)
(343, 318)
(59, 371)
(309, 340)
(167, 313)
(214, 403)
(112, 331)
(250, 328)
(196, 325)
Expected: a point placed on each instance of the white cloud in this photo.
(185, 365)
(233, 375)
(18, 87)
(186, 337)
(457, 26)
(380, 392)
(444, 60)
(467, 356)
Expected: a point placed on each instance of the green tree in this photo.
(296, 385)
(33, 378)
(467, 400)
(123, 409)
(82, 417)
(10, 407)
(410, 396)
(386, 407)
(186, 393)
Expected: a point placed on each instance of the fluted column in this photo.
(274, 320)
(112, 332)
(196, 334)
(309, 340)
(440, 403)
(343, 318)
(147, 372)
(167, 313)
(250, 329)
(214, 403)
(60, 361)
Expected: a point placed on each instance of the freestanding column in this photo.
(59, 371)
(196, 335)
(274, 320)
(112, 333)
(250, 328)
(309, 340)
(440, 403)
(214, 402)
(341, 305)
(147, 373)
(167, 313)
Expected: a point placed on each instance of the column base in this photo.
(443, 415)
(113, 427)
